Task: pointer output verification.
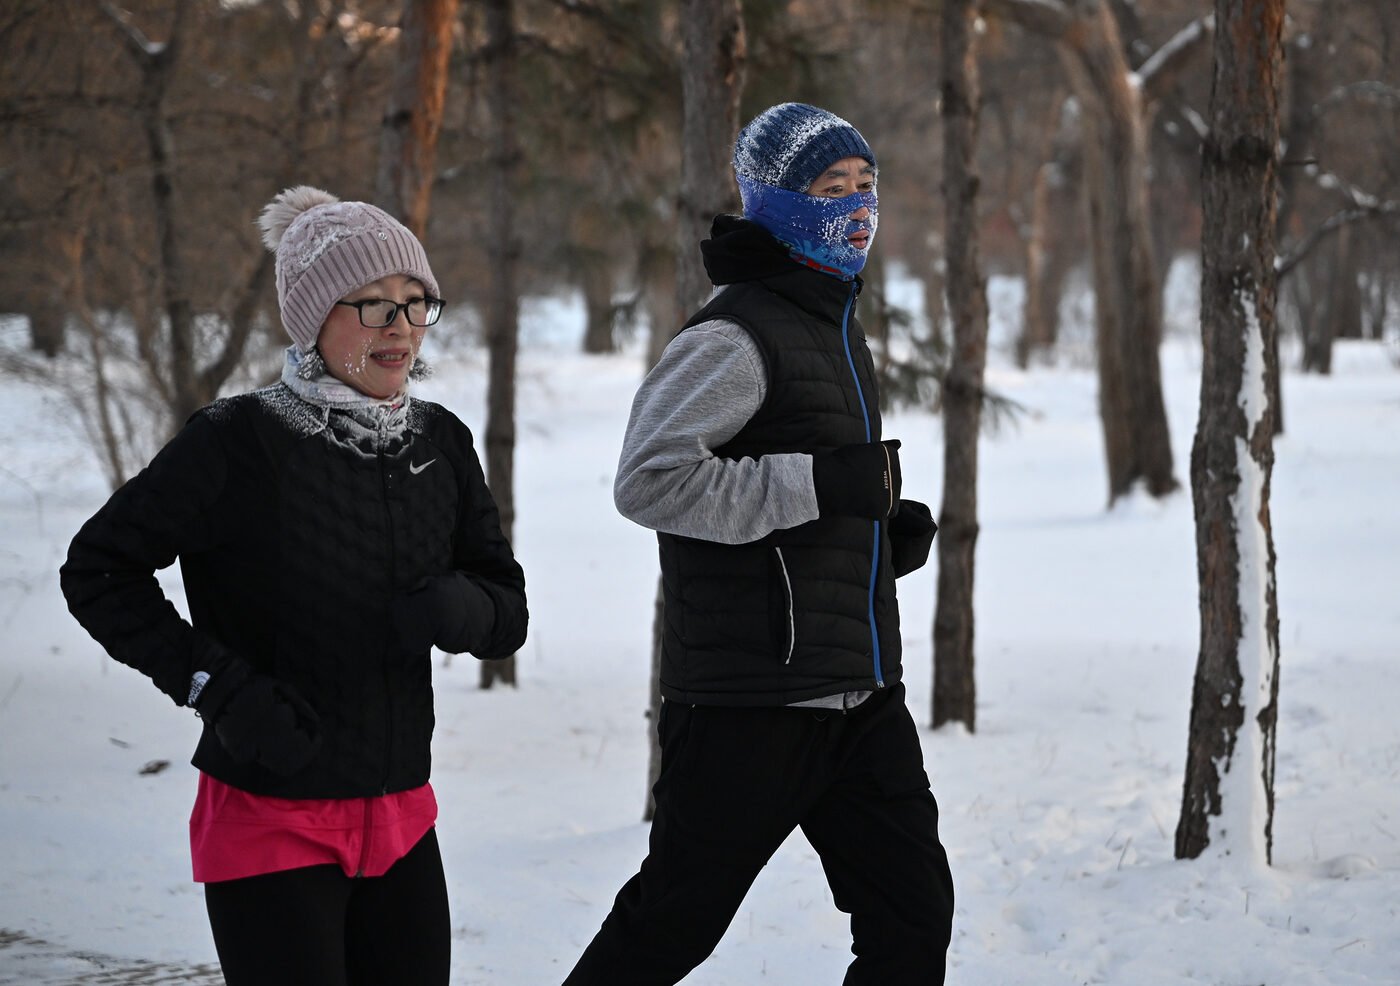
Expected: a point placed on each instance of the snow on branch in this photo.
(1167, 63)
(140, 45)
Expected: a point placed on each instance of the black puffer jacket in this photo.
(809, 611)
(297, 527)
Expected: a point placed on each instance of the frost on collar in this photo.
(307, 378)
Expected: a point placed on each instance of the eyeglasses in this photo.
(376, 313)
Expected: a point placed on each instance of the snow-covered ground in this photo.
(1059, 813)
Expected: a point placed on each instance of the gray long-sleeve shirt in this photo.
(707, 385)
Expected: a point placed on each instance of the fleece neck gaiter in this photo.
(816, 230)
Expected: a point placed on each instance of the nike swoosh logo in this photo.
(416, 469)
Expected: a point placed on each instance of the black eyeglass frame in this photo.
(436, 310)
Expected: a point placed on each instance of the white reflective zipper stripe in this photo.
(792, 631)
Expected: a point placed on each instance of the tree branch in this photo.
(142, 48)
(1049, 18)
(1370, 91)
(1165, 66)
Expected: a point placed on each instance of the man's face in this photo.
(845, 177)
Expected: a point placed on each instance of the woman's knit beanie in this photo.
(327, 248)
(791, 144)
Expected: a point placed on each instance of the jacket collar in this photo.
(739, 250)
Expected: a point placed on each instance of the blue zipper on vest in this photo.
(875, 552)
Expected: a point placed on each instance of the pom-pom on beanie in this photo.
(789, 146)
(327, 248)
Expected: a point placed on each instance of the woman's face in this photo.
(373, 361)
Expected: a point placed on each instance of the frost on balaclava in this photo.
(777, 157)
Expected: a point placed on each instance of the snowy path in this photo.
(29, 961)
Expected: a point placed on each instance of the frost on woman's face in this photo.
(375, 362)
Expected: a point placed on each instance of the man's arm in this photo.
(707, 385)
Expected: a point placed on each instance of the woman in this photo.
(330, 531)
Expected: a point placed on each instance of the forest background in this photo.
(541, 149)
(143, 139)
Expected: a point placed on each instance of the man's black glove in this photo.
(447, 611)
(259, 719)
(858, 480)
(911, 536)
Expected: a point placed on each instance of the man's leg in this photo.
(398, 929)
(281, 929)
(729, 793)
(876, 830)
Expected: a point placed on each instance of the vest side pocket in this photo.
(785, 629)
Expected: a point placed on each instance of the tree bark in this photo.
(1127, 291)
(713, 55)
(168, 352)
(954, 688)
(46, 325)
(1127, 295)
(156, 63)
(1229, 782)
(503, 292)
(712, 77)
(1050, 252)
(413, 119)
(1344, 287)
(599, 311)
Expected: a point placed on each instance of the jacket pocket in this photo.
(784, 626)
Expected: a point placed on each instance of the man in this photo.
(754, 451)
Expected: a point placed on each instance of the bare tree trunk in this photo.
(954, 686)
(1049, 251)
(156, 63)
(1329, 299)
(1229, 783)
(1128, 308)
(168, 353)
(1304, 61)
(713, 54)
(1127, 301)
(409, 135)
(46, 325)
(503, 299)
(1344, 287)
(712, 76)
(597, 284)
(934, 284)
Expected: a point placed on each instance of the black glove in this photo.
(259, 719)
(858, 480)
(911, 536)
(450, 612)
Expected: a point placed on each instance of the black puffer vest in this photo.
(809, 611)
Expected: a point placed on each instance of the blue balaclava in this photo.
(776, 158)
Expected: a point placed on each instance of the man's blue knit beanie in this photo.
(791, 144)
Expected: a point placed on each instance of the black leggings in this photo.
(315, 926)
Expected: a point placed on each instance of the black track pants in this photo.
(734, 783)
(315, 926)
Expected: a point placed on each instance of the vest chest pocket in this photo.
(781, 610)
